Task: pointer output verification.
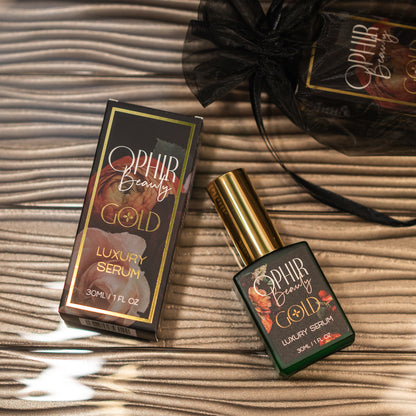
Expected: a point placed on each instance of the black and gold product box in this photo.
(135, 202)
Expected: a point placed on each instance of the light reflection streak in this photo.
(61, 333)
(60, 380)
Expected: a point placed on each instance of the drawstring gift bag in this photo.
(345, 73)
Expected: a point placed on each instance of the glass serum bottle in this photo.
(286, 294)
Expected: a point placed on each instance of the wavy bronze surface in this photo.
(59, 63)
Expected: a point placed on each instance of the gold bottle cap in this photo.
(244, 215)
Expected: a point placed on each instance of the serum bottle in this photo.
(286, 294)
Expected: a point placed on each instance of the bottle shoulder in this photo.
(285, 251)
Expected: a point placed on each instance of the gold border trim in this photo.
(149, 319)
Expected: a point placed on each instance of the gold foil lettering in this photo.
(128, 217)
(298, 312)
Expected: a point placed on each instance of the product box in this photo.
(133, 209)
(363, 60)
(358, 85)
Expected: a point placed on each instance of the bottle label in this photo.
(289, 296)
(365, 58)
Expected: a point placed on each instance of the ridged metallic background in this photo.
(59, 63)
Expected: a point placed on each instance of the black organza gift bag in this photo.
(344, 72)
